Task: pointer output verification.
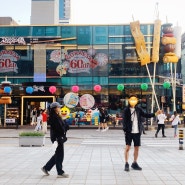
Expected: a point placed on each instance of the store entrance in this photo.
(29, 102)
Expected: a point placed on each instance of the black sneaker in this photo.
(155, 135)
(135, 166)
(126, 167)
(164, 136)
(45, 171)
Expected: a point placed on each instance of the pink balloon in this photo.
(97, 88)
(75, 88)
(52, 89)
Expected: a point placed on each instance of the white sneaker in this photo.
(64, 175)
(98, 130)
(107, 128)
(104, 130)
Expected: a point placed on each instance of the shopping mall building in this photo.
(85, 56)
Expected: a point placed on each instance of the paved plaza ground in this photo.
(93, 158)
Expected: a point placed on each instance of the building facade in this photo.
(88, 55)
(44, 12)
(64, 11)
(50, 12)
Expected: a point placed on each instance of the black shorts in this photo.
(135, 137)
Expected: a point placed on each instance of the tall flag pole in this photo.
(155, 51)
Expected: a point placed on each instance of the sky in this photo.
(107, 11)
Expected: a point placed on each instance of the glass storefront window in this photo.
(38, 31)
(68, 31)
(116, 30)
(7, 31)
(52, 31)
(100, 35)
(23, 31)
(84, 35)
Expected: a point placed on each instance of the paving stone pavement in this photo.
(93, 158)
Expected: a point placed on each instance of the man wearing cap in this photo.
(132, 127)
(58, 134)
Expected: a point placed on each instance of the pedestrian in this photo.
(33, 116)
(39, 121)
(103, 119)
(132, 127)
(44, 121)
(39, 111)
(175, 121)
(160, 121)
(77, 118)
(58, 131)
(100, 124)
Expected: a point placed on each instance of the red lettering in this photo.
(2, 63)
(8, 63)
(73, 64)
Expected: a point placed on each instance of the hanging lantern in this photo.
(7, 89)
(120, 87)
(144, 86)
(52, 89)
(75, 88)
(29, 90)
(166, 85)
(97, 88)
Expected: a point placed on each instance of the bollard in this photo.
(181, 136)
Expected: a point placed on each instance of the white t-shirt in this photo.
(134, 120)
(175, 119)
(161, 117)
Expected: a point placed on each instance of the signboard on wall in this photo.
(78, 61)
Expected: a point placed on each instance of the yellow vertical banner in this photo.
(183, 93)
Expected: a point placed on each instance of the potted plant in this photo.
(31, 139)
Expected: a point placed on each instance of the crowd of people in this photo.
(133, 120)
(39, 119)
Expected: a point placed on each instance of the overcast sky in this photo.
(106, 11)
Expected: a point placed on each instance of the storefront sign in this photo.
(10, 120)
(12, 40)
(6, 61)
(77, 61)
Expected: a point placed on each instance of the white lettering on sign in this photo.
(12, 40)
(10, 120)
(36, 88)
